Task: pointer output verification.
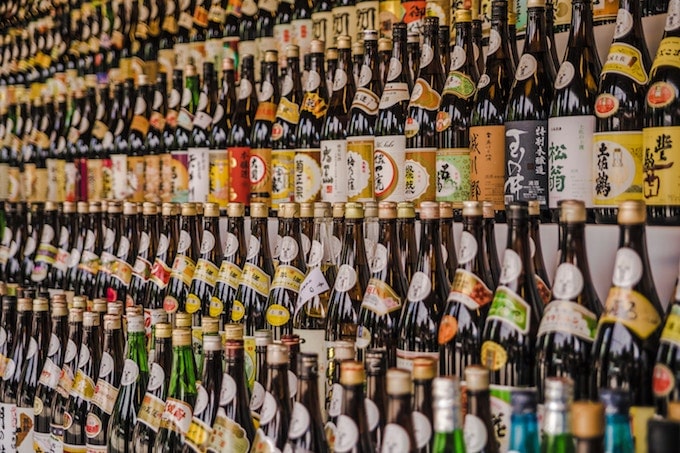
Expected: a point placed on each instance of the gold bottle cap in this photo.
(142, 79)
(387, 210)
(292, 51)
(227, 64)
(235, 209)
(188, 209)
(259, 210)
(445, 210)
(75, 315)
(354, 211)
(587, 421)
(190, 70)
(135, 323)
(182, 320)
(149, 208)
(413, 37)
(115, 308)
(370, 209)
(344, 350)
(167, 209)
(68, 207)
(358, 48)
(352, 373)
(332, 53)
(477, 378)
(210, 326)
(572, 211)
(83, 207)
(488, 210)
(95, 207)
(344, 42)
(534, 208)
(271, 56)
(51, 206)
(398, 382)
(463, 15)
(406, 210)
(384, 45)
(263, 337)
(130, 208)
(306, 210)
(674, 410)
(535, 3)
(277, 354)
(41, 304)
(59, 298)
(424, 368)
(339, 210)
(211, 210)
(322, 209)
(212, 343)
(429, 210)
(90, 319)
(289, 210)
(632, 212)
(112, 322)
(233, 331)
(79, 302)
(181, 337)
(317, 46)
(112, 207)
(472, 209)
(59, 309)
(163, 330)
(100, 306)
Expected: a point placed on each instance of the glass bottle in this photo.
(133, 387)
(557, 424)
(487, 130)
(462, 321)
(623, 329)
(112, 231)
(258, 271)
(572, 116)
(426, 294)
(378, 318)
(665, 371)
(353, 435)
(161, 270)
(375, 365)
(563, 350)
(336, 353)
(185, 109)
(420, 129)
(322, 22)
(508, 342)
(219, 131)
(617, 434)
(384, 55)
(448, 416)
(149, 238)
(153, 403)
(587, 426)
(303, 26)
(618, 128)
(182, 394)
(390, 142)
(93, 243)
(535, 244)
(125, 255)
(68, 235)
(446, 214)
(524, 422)
(399, 431)
(425, 369)
(275, 414)
(154, 183)
(489, 237)
(46, 253)
(139, 128)
(198, 154)
(406, 232)
(479, 428)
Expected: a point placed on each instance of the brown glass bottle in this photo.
(165, 254)
(275, 414)
(375, 364)
(353, 435)
(399, 431)
(449, 256)
(112, 230)
(535, 244)
(149, 238)
(125, 255)
(93, 243)
(479, 427)
(425, 369)
(406, 232)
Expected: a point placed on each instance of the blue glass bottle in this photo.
(524, 422)
(617, 435)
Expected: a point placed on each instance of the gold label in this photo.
(288, 277)
(631, 309)
(419, 174)
(360, 168)
(617, 160)
(661, 181)
(256, 279)
(626, 60)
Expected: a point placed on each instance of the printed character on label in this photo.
(652, 182)
(514, 184)
(602, 185)
(557, 179)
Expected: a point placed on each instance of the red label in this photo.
(414, 10)
(239, 174)
(161, 272)
(663, 381)
(660, 95)
(606, 105)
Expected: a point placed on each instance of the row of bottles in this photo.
(373, 120)
(359, 277)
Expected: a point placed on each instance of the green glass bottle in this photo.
(448, 416)
(557, 437)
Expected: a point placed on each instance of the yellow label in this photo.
(151, 411)
(307, 175)
(95, 179)
(631, 309)
(83, 386)
(183, 268)
(494, 356)
(277, 315)
(219, 177)
(360, 168)
(206, 272)
(193, 303)
(288, 111)
(238, 311)
(283, 169)
(314, 104)
(617, 167)
(661, 182)
(256, 279)
(198, 434)
(288, 277)
(230, 274)
(216, 307)
(419, 175)
(626, 60)
(260, 175)
(671, 330)
(228, 436)
(380, 298)
(667, 53)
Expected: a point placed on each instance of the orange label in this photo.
(183, 268)
(266, 111)
(487, 164)
(152, 178)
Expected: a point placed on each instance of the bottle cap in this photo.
(370, 209)
(344, 350)
(523, 401)
(398, 382)
(384, 45)
(517, 210)
(322, 209)
(75, 315)
(406, 210)
(135, 323)
(534, 208)
(199, 209)
(227, 64)
(587, 421)
(130, 208)
(83, 207)
(357, 48)
(674, 410)
(473, 209)
(212, 343)
(59, 298)
(90, 319)
(259, 210)
(235, 209)
(307, 365)
(291, 340)
(181, 337)
(114, 308)
(317, 46)
(51, 206)
(211, 210)
(24, 304)
(134, 310)
(351, 373)
(387, 210)
(100, 306)
(375, 361)
(149, 208)
(370, 35)
(68, 207)
(424, 369)
(615, 401)
(292, 51)
(429, 210)
(477, 378)
(463, 15)
(632, 212)
(354, 211)
(663, 436)
(332, 52)
(572, 211)
(163, 330)
(41, 304)
(277, 354)
(271, 56)
(445, 210)
(339, 210)
(112, 322)
(263, 337)
(112, 207)
(188, 209)
(306, 210)
(210, 326)
(289, 210)
(413, 37)
(233, 331)
(536, 3)
(182, 320)
(79, 302)
(59, 309)
(167, 209)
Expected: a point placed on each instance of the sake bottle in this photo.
(375, 364)
(199, 140)
(559, 394)
(165, 254)
(425, 369)
(524, 422)
(448, 423)
(618, 436)
(406, 232)
(478, 428)
(663, 383)
(275, 415)
(398, 433)
(535, 243)
(219, 130)
(587, 426)
(149, 239)
(352, 432)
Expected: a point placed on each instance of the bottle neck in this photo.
(617, 432)
(422, 396)
(464, 41)
(524, 435)
(183, 378)
(277, 381)
(430, 47)
(398, 408)
(581, 31)
(430, 254)
(308, 391)
(163, 353)
(536, 38)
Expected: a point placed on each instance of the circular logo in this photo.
(422, 429)
(411, 128)
(394, 69)
(289, 249)
(93, 425)
(468, 248)
(363, 338)
(379, 259)
(230, 244)
(299, 421)
(660, 94)
(315, 254)
(483, 81)
(54, 345)
(624, 23)
(365, 76)
(156, 377)
(526, 67)
(443, 121)
(245, 89)
(346, 278)
(184, 242)
(457, 58)
(565, 75)
(277, 315)
(627, 268)
(606, 105)
(494, 42)
(228, 390)
(202, 400)
(257, 398)
(475, 433)
(170, 304)
(238, 311)
(313, 81)
(372, 414)
(346, 434)
(340, 80)
(253, 247)
(420, 287)
(426, 55)
(277, 131)
(208, 242)
(568, 282)
(68, 420)
(512, 266)
(106, 366)
(37, 406)
(266, 91)
(663, 381)
(130, 373)
(395, 438)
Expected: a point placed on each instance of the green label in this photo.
(460, 85)
(509, 307)
(453, 174)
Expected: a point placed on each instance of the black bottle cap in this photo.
(663, 436)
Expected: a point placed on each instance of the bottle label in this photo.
(453, 174)
(104, 396)
(389, 158)
(395, 438)
(419, 174)
(569, 158)
(308, 175)
(49, 377)
(626, 60)
(261, 174)
(422, 430)
(198, 435)
(198, 166)
(420, 287)
(359, 170)
(300, 421)
(302, 34)
(345, 22)
(527, 161)
(661, 183)
(424, 96)
(380, 298)
(219, 177)
(89, 262)
(151, 411)
(394, 92)
(288, 277)
(366, 100)
(487, 171)
(632, 309)
(256, 279)
(460, 85)
(314, 284)
(239, 174)
(25, 422)
(206, 272)
(414, 13)
(666, 54)
(179, 171)
(177, 416)
(346, 434)
(469, 290)
(83, 385)
(345, 279)
(567, 317)
(183, 268)
(228, 435)
(283, 169)
(510, 308)
(671, 330)
(405, 358)
(476, 436)
(617, 167)
(288, 111)
(334, 170)
(229, 274)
